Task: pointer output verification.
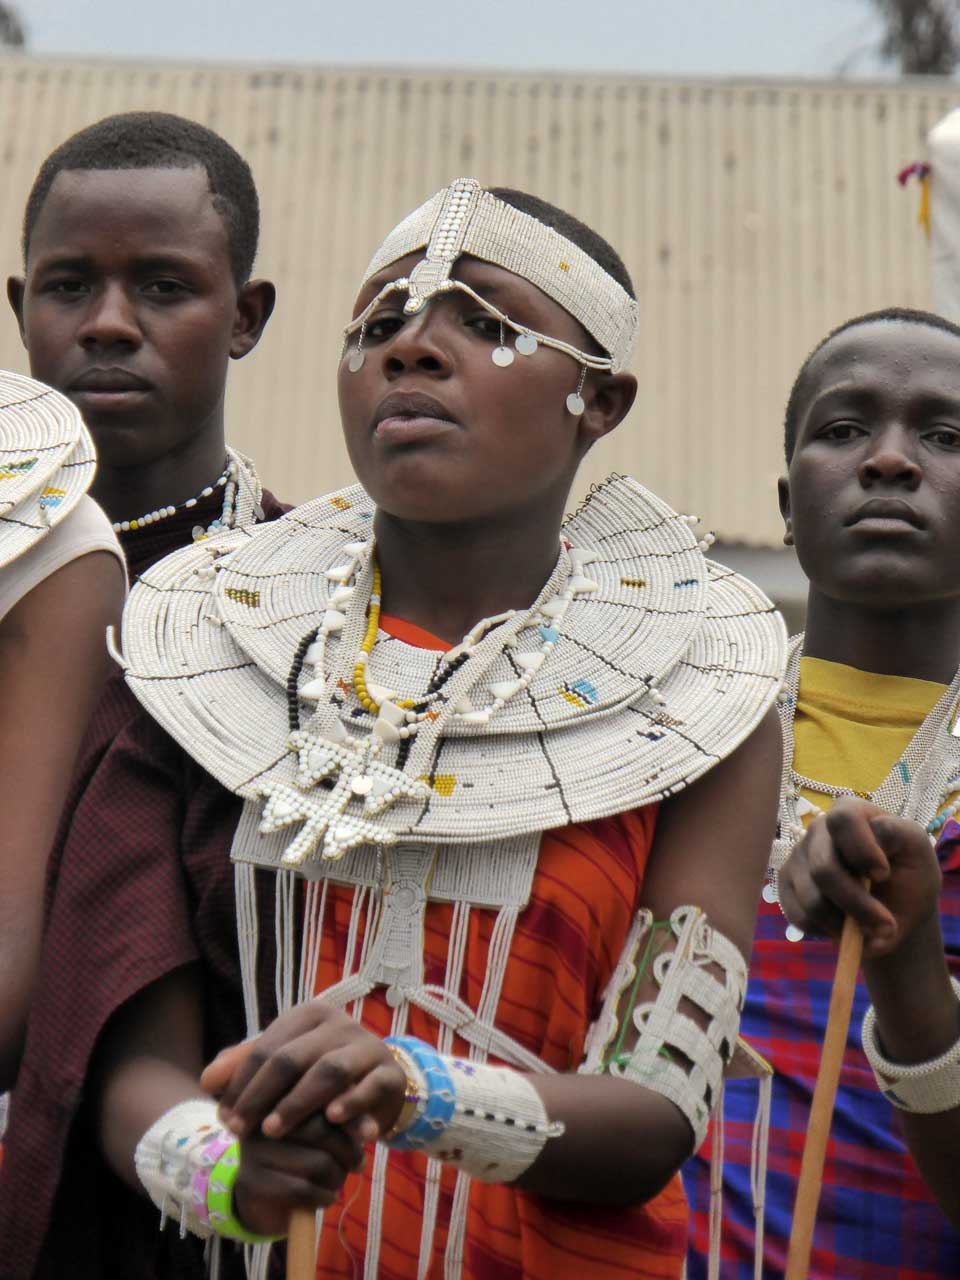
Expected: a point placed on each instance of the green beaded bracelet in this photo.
(220, 1200)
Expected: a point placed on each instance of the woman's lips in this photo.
(404, 429)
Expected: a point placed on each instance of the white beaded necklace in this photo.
(227, 481)
(917, 787)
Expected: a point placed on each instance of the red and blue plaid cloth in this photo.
(876, 1221)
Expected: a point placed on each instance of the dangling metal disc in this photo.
(355, 363)
(501, 356)
(575, 404)
(526, 344)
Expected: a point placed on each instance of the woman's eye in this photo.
(486, 326)
(381, 327)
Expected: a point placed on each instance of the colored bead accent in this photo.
(220, 1213)
(441, 1095)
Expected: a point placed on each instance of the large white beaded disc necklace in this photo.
(918, 787)
(324, 746)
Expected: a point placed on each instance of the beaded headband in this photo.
(47, 461)
(464, 218)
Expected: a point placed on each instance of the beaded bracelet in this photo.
(220, 1213)
(413, 1100)
(437, 1094)
(925, 1088)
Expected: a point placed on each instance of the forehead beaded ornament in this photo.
(465, 219)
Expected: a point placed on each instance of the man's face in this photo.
(435, 430)
(872, 495)
(129, 306)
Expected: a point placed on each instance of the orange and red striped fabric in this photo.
(567, 942)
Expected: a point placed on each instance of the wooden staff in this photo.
(302, 1245)
(821, 1110)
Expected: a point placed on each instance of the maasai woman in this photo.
(474, 768)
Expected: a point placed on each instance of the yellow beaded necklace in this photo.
(366, 648)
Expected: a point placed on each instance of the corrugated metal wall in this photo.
(753, 216)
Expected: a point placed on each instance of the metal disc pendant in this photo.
(526, 344)
(575, 404)
(501, 356)
(793, 934)
(769, 892)
(355, 363)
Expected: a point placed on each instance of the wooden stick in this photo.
(302, 1245)
(824, 1094)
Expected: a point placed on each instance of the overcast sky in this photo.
(672, 37)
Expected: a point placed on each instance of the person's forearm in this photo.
(918, 1019)
(621, 1143)
(19, 958)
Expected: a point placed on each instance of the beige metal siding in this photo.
(753, 217)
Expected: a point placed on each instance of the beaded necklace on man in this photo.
(918, 786)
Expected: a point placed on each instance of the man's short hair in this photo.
(159, 140)
(904, 315)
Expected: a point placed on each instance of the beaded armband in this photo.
(188, 1164)
(924, 1088)
(694, 1084)
(488, 1121)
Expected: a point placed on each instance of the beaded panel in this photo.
(47, 461)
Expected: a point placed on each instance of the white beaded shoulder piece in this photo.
(47, 462)
(640, 666)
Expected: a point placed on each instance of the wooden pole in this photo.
(302, 1245)
(824, 1094)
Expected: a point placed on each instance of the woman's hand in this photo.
(313, 1061)
(304, 1170)
(823, 879)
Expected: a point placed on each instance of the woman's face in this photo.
(436, 431)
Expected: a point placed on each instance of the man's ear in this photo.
(608, 401)
(783, 494)
(15, 290)
(255, 302)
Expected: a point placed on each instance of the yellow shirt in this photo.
(851, 727)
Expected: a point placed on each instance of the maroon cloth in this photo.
(135, 799)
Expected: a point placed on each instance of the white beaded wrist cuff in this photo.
(490, 1121)
(925, 1088)
(168, 1155)
(499, 1123)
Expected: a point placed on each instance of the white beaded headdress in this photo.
(463, 218)
(47, 461)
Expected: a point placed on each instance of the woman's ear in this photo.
(609, 398)
(783, 494)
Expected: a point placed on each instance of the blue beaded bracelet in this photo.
(441, 1095)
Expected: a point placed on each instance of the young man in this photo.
(441, 757)
(139, 237)
(871, 499)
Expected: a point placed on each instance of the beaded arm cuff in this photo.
(188, 1164)
(682, 974)
(488, 1121)
(175, 1156)
(925, 1088)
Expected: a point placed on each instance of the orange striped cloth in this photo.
(567, 942)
